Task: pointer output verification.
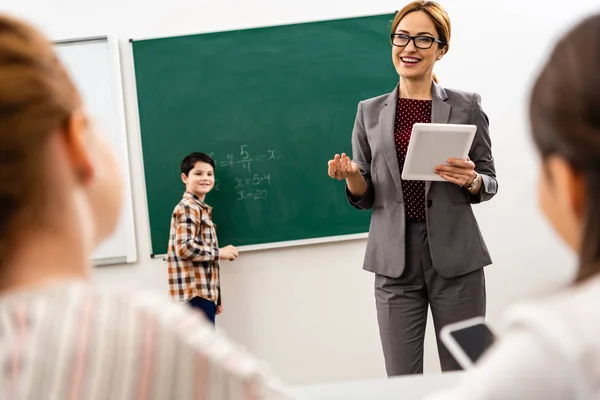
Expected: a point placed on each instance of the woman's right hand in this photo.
(342, 167)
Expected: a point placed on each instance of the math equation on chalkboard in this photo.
(247, 184)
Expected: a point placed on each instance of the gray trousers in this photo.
(402, 305)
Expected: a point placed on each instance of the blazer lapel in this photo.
(440, 112)
(386, 122)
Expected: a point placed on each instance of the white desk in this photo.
(413, 387)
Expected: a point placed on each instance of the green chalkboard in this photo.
(272, 105)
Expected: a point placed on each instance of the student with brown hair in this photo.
(194, 253)
(551, 350)
(60, 195)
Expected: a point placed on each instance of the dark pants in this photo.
(402, 305)
(207, 307)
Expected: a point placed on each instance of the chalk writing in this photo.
(272, 155)
(252, 195)
(229, 162)
(254, 181)
(246, 159)
(247, 184)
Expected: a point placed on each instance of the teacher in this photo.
(424, 244)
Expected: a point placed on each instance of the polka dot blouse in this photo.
(408, 113)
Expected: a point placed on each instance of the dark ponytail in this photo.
(565, 120)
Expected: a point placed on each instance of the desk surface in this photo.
(413, 387)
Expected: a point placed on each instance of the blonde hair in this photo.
(36, 98)
(438, 16)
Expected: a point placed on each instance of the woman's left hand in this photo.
(219, 310)
(460, 172)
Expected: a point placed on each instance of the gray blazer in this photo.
(455, 241)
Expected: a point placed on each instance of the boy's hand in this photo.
(219, 310)
(228, 253)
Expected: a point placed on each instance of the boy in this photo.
(193, 255)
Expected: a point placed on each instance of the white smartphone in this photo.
(467, 340)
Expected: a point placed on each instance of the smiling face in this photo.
(200, 180)
(412, 62)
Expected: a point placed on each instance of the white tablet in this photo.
(467, 340)
(434, 144)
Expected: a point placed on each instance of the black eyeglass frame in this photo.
(432, 40)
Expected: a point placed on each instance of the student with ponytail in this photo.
(550, 349)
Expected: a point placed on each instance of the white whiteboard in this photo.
(95, 68)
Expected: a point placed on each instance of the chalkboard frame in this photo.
(283, 243)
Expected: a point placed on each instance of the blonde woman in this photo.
(424, 244)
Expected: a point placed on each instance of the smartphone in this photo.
(467, 340)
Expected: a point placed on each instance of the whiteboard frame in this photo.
(117, 84)
(138, 125)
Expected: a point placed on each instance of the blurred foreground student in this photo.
(552, 349)
(60, 194)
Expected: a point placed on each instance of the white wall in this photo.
(310, 311)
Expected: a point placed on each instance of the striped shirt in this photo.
(74, 341)
(193, 254)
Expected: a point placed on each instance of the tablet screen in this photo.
(434, 144)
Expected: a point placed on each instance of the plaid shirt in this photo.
(193, 255)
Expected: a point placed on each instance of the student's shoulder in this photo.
(186, 204)
(562, 321)
(189, 331)
(163, 310)
(125, 321)
(144, 309)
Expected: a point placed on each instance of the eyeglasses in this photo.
(421, 42)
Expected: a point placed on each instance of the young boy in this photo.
(193, 255)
